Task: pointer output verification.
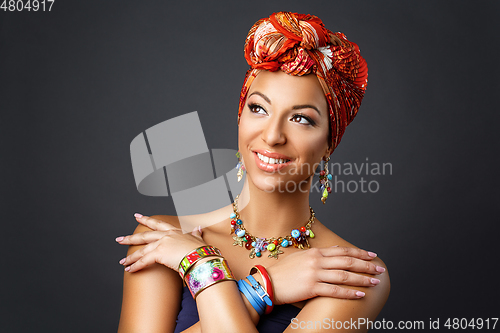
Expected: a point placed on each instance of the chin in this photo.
(275, 182)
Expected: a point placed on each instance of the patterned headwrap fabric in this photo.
(300, 44)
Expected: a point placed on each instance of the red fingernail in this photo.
(138, 215)
(372, 254)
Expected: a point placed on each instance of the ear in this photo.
(328, 152)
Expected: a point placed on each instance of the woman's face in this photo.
(283, 130)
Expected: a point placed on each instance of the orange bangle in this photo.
(267, 284)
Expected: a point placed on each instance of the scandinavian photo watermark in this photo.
(345, 177)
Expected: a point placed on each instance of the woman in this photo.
(304, 86)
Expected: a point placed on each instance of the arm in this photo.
(152, 287)
(151, 297)
(196, 328)
(321, 314)
(320, 269)
(319, 288)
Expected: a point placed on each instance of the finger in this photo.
(351, 264)
(153, 223)
(141, 238)
(148, 259)
(332, 290)
(347, 251)
(347, 278)
(137, 255)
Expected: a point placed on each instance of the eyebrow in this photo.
(295, 107)
(306, 106)
(261, 95)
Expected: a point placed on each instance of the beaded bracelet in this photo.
(267, 284)
(207, 274)
(194, 256)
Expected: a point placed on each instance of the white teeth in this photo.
(271, 160)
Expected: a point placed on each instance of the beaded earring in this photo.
(240, 167)
(324, 179)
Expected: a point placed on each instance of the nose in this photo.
(273, 132)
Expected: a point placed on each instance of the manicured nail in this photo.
(374, 281)
(372, 254)
(122, 261)
(138, 215)
(119, 239)
(127, 268)
(380, 269)
(199, 229)
(360, 294)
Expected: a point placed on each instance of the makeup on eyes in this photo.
(307, 118)
(253, 107)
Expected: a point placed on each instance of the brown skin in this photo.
(269, 121)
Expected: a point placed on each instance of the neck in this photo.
(273, 214)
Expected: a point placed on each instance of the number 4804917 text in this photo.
(26, 5)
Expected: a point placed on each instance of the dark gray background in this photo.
(79, 83)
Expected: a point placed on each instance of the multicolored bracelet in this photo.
(207, 274)
(267, 284)
(194, 256)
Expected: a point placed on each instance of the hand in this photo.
(166, 245)
(319, 272)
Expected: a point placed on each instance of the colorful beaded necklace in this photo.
(297, 238)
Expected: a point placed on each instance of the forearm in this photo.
(210, 303)
(221, 309)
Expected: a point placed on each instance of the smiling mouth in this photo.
(270, 160)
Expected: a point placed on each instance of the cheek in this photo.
(316, 148)
(314, 144)
(246, 132)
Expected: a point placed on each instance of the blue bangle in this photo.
(255, 301)
(263, 295)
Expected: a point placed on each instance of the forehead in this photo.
(282, 87)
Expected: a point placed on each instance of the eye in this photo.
(255, 108)
(302, 119)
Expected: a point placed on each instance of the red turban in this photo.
(300, 44)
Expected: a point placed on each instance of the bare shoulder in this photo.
(172, 219)
(151, 296)
(142, 228)
(189, 222)
(329, 238)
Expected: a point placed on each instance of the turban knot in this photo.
(299, 44)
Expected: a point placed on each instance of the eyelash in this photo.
(309, 120)
(253, 107)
